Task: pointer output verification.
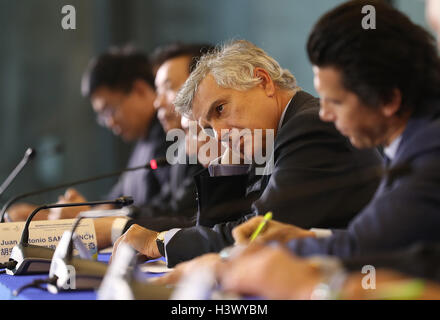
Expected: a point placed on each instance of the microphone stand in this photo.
(153, 164)
(28, 155)
(75, 273)
(123, 282)
(31, 259)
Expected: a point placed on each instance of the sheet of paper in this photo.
(45, 233)
(158, 266)
(106, 250)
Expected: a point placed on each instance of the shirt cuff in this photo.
(322, 233)
(118, 227)
(168, 236)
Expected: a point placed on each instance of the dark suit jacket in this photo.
(311, 161)
(175, 206)
(143, 185)
(406, 206)
(419, 260)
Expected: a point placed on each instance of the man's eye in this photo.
(219, 108)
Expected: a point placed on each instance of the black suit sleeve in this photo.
(419, 260)
(402, 212)
(189, 243)
(162, 223)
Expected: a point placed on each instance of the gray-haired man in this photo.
(317, 178)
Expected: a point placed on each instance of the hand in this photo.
(21, 211)
(269, 272)
(273, 231)
(70, 196)
(210, 260)
(103, 230)
(140, 239)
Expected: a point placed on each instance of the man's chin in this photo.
(127, 138)
(167, 126)
(361, 143)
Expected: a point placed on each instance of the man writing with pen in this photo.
(398, 229)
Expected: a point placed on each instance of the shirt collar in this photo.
(391, 150)
(283, 115)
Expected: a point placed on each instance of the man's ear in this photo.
(266, 81)
(393, 106)
(140, 87)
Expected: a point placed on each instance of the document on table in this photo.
(158, 266)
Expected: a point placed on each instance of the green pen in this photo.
(267, 217)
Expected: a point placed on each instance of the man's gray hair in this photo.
(232, 66)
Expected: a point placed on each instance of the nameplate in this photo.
(45, 233)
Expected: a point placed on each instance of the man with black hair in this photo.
(176, 205)
(379, 87)
(120, 86)
(403, 211)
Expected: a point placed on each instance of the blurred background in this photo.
(41, 66)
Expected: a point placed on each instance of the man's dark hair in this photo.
(174, 50)
(398, 54)
(117, 69)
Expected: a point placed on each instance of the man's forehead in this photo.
(329, 75)
(176, 67)
(161, 75)
(207, 92)
(100, 95)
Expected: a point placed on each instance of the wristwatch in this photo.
(160, 242)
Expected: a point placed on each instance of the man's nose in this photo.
(159, 102)
(208, 129)
(325, 113)
(110, 122)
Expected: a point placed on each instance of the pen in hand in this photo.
(266, 219)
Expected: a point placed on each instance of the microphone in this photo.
(28, 155)
(77, 273)
(124, 282)
(152, 165)
(31, 259)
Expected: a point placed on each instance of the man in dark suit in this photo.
(373, 102)
(329, 277)
(306, 151)
(175, 205)
(120, 86)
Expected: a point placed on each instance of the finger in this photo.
(73, 195)
(267, 236)
(242, 233)
(69, 193)
(244, 230)
(170, 278)
(222, 268)
(232, 277)
(115, 248)
(141, 258)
